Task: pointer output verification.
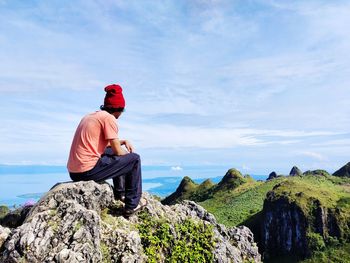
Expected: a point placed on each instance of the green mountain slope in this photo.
(308, 214)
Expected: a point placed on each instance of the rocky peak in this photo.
(186, 184)
(343, 171)
(81, 222)
(232, 179)
(206, 184)
(295, 171)
(183, 191)
(272, 175)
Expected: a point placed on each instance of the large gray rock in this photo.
(81, 222)
(4, 233)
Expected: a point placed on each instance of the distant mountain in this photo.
(190, 190)
(298, 216)
(295, 171)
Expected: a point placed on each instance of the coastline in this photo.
(20, 184)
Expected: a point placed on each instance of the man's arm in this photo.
(116, 145)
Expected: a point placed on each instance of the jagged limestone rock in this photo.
(81, 222)
(295, 171)
(4, 233)
(343, 171)
(284, 228)
(272, 175)
(50, 231)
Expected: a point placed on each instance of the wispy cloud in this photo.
(313, 155)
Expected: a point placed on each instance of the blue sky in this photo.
(256, 85)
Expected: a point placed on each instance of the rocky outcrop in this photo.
(295, 171)
(326, 221)
(81, 222)
(318, 172)
(284, 228)
(290, 219)
(273, 175)
(343, 171)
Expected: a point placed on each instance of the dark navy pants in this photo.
(125, 170)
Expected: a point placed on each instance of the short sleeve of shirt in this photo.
(110, 128)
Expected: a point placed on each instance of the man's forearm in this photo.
(116, 147)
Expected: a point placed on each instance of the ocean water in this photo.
(19, 184)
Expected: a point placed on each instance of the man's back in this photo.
(90, 140)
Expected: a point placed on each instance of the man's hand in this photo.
(118, 150)
(128, 145)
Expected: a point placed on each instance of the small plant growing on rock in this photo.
(189, 241)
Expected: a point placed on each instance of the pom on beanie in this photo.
(114, 97)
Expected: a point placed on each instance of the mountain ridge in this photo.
(317, 198)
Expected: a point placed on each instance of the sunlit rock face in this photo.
(81, 222)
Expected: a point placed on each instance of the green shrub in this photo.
(189, 241)
(332, 241)
(337, 254)
(4, 210)
(315, 241)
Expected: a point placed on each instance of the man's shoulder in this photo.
(101, 115)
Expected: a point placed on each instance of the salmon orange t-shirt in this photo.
(90, 140)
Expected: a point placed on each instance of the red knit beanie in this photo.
(114, 97)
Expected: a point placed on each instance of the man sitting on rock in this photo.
(97, 153)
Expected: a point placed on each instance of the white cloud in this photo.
(171, 136)
(176, 168)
